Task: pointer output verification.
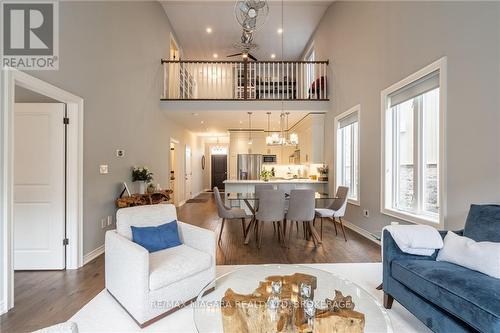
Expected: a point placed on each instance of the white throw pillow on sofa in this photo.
(483, 257)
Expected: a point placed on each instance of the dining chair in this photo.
(259, 188)
(227, 213)
(271, 209)
(335, 210)
(301, 209)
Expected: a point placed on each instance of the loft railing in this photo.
(244, 80)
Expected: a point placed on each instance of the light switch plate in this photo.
(103, 169)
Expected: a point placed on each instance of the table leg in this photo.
(314, 233)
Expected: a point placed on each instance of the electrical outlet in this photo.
(366, 213)
(103, 223)
(110, 220)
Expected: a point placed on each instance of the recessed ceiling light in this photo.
(241, 121)
(202, 122)
(280, 30)
(273, 56)
(208, 30)
(215, 55)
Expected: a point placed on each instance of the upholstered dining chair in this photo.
(259, 188)
(336, 210)
(301, 209)
(271, 209)
(227, 213)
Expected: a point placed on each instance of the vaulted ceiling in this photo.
(190, 20)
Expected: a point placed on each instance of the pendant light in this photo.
(250, 141)
(269, 138)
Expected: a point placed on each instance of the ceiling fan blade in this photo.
(250, 23)
(234, 55)
(260, 5)
(252, 57)
(243, 6)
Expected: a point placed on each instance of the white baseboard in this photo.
(3, 308)
(181, 203)
(360, 231)
(93, 254)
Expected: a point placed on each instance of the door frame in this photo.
(212, 168)
(175, 142)
(74, 183)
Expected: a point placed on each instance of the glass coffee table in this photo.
(254, 280)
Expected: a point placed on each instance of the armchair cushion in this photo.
(467, 294)
(143, 216)
(175, 264)
(157, 238)
(483, 223)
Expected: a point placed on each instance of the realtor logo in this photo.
(30, 35)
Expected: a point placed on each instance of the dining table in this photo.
(250, 199)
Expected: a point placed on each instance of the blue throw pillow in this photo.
(157, 238)
(483, 223)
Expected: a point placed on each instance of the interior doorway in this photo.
(188, 173)
(219, 171)
(39, 209)
(73, 199)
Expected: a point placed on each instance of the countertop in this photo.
(276, 181)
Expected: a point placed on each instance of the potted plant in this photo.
(265, 175)
(143, 176)
(323, 172)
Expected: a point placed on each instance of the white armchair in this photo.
(152, 285)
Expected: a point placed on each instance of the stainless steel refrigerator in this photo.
(249, 166)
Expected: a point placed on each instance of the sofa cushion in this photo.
(483, 223)
(174, 264)
(466, 294)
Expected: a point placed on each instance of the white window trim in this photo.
(441, 66)
(356, 108)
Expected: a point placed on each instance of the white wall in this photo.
(372, 45)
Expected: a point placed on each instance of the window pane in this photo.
(347, 159)
(347, 181)
(355, 182)
(405, 182)
(431, 150)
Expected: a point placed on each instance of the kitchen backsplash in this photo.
(291, 170)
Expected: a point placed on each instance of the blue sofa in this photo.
(447, 298)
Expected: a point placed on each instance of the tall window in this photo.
(412, 140)
(347, 152)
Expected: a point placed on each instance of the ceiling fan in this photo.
(246, 45)
(250, 14)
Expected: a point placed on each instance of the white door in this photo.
(39, 191)
(189, 174)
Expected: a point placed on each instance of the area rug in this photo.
(103, 314)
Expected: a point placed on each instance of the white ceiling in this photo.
(190, 19)
(219, 122)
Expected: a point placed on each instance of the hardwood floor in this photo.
(48, 297)
(45, 298)
(232, 251)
